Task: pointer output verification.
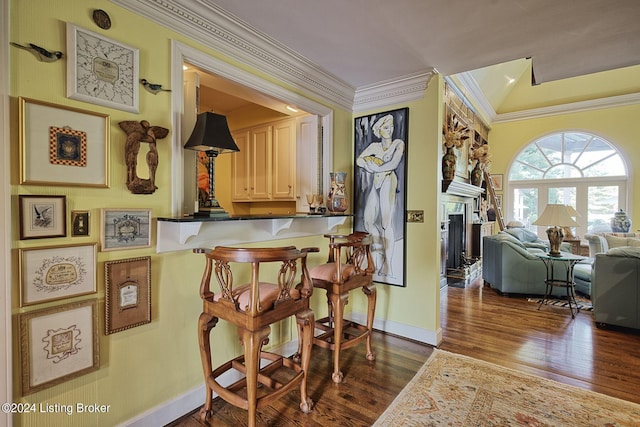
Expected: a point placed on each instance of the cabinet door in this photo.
(240, 168)
(284, 160)
(260, 171)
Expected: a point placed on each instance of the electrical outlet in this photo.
(415, 216)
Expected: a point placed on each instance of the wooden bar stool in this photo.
(252, 308)
(350, 266)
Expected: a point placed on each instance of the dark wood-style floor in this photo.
(477, 322)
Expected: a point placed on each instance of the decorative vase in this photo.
(449, 164)
(476, 175)
(620, 223)
(337, 200)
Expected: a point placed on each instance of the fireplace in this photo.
(458, 206)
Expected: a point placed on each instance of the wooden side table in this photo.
(575, 245)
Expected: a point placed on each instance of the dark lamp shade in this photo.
(211, 133)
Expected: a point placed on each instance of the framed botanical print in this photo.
(125, 229)
(63, 146)
(55, 272)
(101, 70)
(380, 189)
(42, 216)
(127, 293)
(57, 344)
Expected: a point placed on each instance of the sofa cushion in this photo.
(633, 242)
(615, 241)
(625, 251)
(523, 234)
(582, 271)
(504, 236)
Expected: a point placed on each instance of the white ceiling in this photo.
(346, 49)
(364, 42)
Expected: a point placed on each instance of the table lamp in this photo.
(556, 216)
(211, 135)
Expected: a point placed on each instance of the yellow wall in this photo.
(149, 365)
(616, 125)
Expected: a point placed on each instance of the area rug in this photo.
(455, 390)
(584, 305)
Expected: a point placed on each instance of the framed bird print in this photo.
(42, 216)
(63, 146)
(101, 71)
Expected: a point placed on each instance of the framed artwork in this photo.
(79, 223)
(380, 189)
(497, 181)
(499, 202)
(42, 216)
(101, 71)
(63, 146)
(58, 344)
(125, 229)
(55, 272)
(127, 293)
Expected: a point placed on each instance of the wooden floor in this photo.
(477, 322)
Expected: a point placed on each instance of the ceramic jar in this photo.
(620, 223)
(449, 164)
(477, 175)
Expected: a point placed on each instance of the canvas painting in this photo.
(380, 189)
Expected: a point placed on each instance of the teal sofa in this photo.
(510, 266)
(616, 287)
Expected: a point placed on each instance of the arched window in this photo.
(571, 168)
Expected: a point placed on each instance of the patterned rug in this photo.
(582, 304)
(456, 390)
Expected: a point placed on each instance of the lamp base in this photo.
(555, 235)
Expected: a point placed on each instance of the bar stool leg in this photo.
(337, 302)
(252, 342)
(306, 325)
(370, 292)
(206, 322)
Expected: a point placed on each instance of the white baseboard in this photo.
(173, 409)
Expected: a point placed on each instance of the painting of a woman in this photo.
(380, 145)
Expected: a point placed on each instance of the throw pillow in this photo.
(615, 242)
(625, 251)
(633, 242)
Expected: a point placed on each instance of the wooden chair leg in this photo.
(206, 322)
(337, 302)
(306, 326)
(252, 342)
(370, 292)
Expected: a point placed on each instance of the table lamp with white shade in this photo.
(556, 216)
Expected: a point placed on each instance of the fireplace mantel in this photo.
(459, 188)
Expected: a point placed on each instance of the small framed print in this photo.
(125, 229)
(42, 216)
(497, 181)
(101, 71)
(55, 272)
(79, 223)
(58, 344)
(127, 293)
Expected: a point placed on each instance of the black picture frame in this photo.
(384, 221)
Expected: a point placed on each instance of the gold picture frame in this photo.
(57, 344)
(55, 272)
(42, 217)
(63, 146)
(127, 293)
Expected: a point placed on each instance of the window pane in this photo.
(603, 204)
(525, 206)
(563, 171)
(562, 196)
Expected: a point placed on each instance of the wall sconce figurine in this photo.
(138, 132)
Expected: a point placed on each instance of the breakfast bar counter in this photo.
(189, 232)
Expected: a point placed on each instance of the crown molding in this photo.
(573, 107)
(472, 92)
(206, 23)
(397, 91)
